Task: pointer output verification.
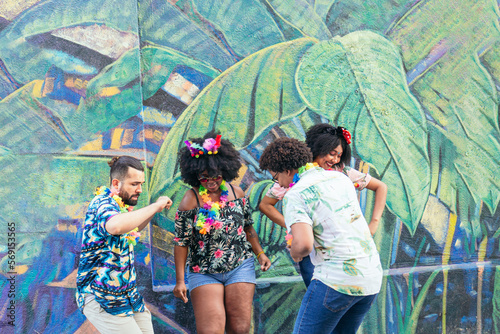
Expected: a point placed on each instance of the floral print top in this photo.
(220, 250)
(359, 179)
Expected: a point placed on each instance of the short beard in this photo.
(126, 198)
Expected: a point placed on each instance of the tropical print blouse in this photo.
(344, 254)
(221, 250)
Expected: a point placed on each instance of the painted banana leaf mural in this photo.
(333, 79)
(416, 83)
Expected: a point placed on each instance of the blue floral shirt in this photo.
(106, 268)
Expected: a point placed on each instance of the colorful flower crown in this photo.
(210, 146)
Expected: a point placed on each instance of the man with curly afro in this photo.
(323, 215)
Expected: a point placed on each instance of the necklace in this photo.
(209, 213)
(301, 171)
(132, 236)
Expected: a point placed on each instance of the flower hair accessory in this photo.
(347, 135)
(210, 146)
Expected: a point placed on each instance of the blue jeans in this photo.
(306, 270)
(324, 310)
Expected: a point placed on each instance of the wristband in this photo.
(261, 252)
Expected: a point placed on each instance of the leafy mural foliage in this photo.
(301, 15)
(157, 63)
(331, 80)
(346, 16)
(463, 115)
(285, 65)
(169, 26)
(112, 97)
(270, 96)
(342, 79)
(246, 25)
(29, 125)
(271, 235)
(27, 62)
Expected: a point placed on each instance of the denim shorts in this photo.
(244, 273)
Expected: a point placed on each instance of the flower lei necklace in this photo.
(296, 179)
(132, 236)
(209, 213)
(301, 171)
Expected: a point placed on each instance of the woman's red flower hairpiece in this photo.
(347, 135)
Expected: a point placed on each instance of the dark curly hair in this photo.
(323, 138)
(226, 162)
(285, 154)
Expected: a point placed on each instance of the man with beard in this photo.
(106, 285)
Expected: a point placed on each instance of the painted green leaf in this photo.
(164, 24)
(247, 26)
(157, 64)
(357, 81)
(278, 307)
(29, 125)
(322, 7)
(346, 16)
(301, 15)
(27, 62)
(271, 235)
(297, 126)
(270, 97)
(460, 97)
(113, 96)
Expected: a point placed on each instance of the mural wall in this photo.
(415, 81)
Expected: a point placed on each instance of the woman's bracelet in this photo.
(261, 252)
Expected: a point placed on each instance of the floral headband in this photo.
(210, 146)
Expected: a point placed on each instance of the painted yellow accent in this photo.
(147, 259)
(482, 249)
(116, 140)
(95, 145)
(75, 211)
(109, 91)
(241, 173)
(434, 212)
(157, 135)
(364, 167)
(37, 88)
(446, 258)
(128, 137)
(480, 270)
(21, 269)
(163, 239)
(76, 83)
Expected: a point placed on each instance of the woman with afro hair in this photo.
(322, 213)
(331, 151)
(215, 237)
